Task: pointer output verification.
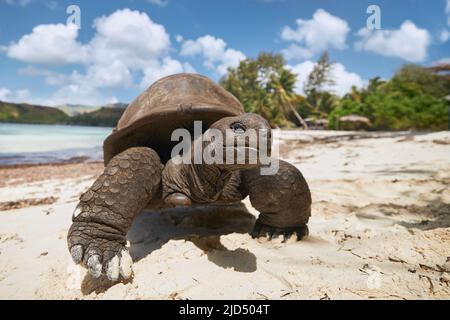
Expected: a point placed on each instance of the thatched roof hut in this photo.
(354, 122)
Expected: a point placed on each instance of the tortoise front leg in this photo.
(283, 200)
(97, 237)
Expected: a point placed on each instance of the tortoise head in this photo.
(238, 142)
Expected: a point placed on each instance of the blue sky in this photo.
(123, 46)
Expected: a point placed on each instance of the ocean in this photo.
(33, 143)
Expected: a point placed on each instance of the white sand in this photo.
(380, 228)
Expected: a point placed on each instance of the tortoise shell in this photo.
(172, 102)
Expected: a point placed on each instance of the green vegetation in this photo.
(104, 117)
(266, 87)
(318, 102)
(413, 99)
(25, 113)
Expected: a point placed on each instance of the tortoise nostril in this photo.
(238, 127)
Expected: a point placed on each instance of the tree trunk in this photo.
(299, 118)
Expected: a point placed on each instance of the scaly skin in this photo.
(283, 200)
(107, 209)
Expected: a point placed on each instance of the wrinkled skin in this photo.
(106, 211)
(136, 178)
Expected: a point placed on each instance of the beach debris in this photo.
(445, 278)
(24, 203)
(10, 237)
(325, 297)
(446, 265)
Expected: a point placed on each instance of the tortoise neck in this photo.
(202, 183)
(209, 181)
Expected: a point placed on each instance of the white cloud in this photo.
(444, 35)
(179, 38)
(21, 95)
(126, 44)
(214, 51)
(302, 70)
(51, 44)
(115, 74)
(160, 3)
(409, 42)
(129, 36)
(294, 51)
(76, 93)
(344, 80)
(21, 3)
(169, 66)
(51, 77)
(442, 61)
(51, 4)
(4, 94)
(310, 37)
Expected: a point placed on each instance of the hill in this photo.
(104, 117)
(26, 113)
(77, 109)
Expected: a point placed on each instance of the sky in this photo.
(116, 49)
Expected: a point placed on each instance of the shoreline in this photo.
(14, 175)
(78, 160)
(57, 124)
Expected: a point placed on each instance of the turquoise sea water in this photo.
(31, 143)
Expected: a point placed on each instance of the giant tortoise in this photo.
(140, 172)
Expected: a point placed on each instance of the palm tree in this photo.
(354, 94)
(281, 91)
(320, 104)
(262, 104)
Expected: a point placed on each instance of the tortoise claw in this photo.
(77, 253)
(94, 265)
(261, 230)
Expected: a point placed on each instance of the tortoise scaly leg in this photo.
(283, 200)
(97, 237)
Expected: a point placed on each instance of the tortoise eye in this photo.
(238, 128)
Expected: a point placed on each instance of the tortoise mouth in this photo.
(256, 149)
(243, 155)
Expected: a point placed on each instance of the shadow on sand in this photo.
(202, 226)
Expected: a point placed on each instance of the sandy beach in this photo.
(380, 229)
